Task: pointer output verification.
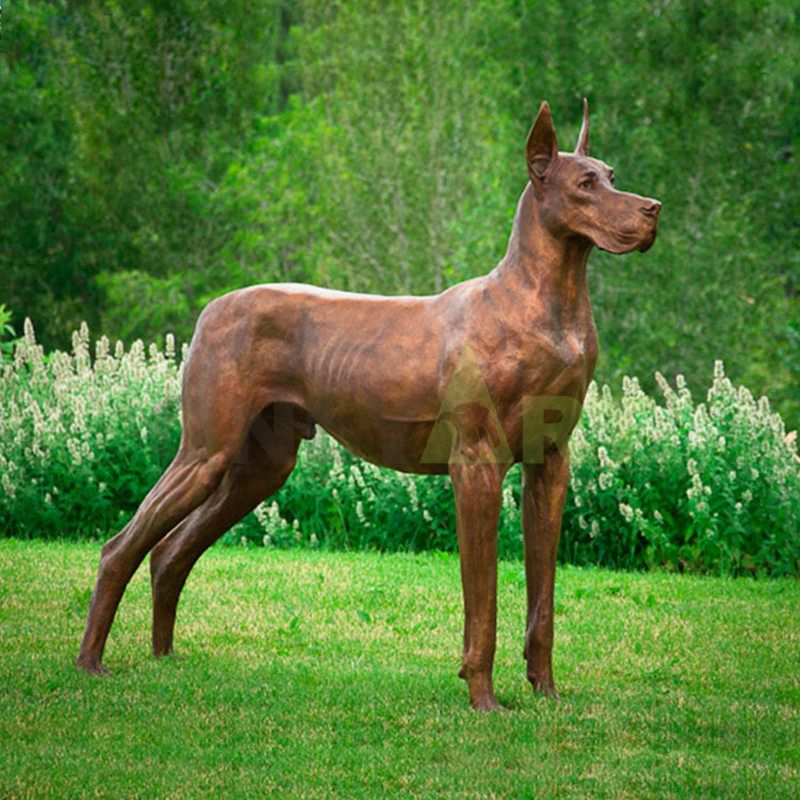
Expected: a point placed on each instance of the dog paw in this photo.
(488, 703)
(545, 689)
(91, 666)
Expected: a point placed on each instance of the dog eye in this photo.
(586, 183)
(611, 178)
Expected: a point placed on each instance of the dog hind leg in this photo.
(185, 484)
(215, 423)
(255, 474)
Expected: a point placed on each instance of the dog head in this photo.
(576, 194)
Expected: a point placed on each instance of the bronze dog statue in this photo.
(268, 363)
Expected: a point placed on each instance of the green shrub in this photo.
(707, 487)
(83, 439)
(7, 341)
(338, 500)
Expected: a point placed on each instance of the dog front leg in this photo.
(543, 494)
(478, 490)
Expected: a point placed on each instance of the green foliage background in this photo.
(154, 154)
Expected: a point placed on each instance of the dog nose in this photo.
(650, 208)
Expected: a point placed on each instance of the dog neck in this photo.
(542, 267)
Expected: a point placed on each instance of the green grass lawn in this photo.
(306, 674)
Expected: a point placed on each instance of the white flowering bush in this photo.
(83, 436)
(707, 487)
(337, 499)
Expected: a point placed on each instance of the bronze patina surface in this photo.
(436, 384)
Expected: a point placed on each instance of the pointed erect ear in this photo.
(541, 149)
(582, 148)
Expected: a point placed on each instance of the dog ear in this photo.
(582, 148)
(541, 148)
